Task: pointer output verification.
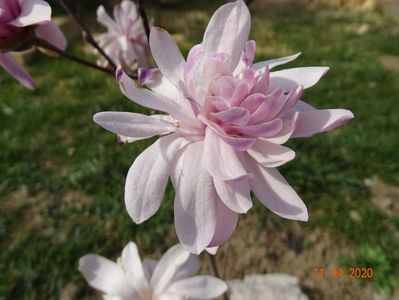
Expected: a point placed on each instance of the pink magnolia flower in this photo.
(227, 120)
(125, 42)
(169, 279)
(18, 19)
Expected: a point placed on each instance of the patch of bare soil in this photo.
(384, 196)
(292, 249)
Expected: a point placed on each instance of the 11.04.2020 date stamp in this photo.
(340, 272)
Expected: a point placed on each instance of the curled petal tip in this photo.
(119, 73)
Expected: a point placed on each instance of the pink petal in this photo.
(32, 12)
(227, 31)
(198, 287)
(290, 78)
(106, 276)
(262, 86)
(285, 133)
(275, 193)
(236, 194)
(311, 122)
(167, 56)
(239, 143)
(233, 116)
(133, 125)
(16, 71)
(194, 203)
(219, 103)
(194, 55)
(147, 178)
(221, 159)
(104, 19)
(226, 223)
(267, 129)
(253, 101)
(271, 63)
(270, 155)
(51, 33)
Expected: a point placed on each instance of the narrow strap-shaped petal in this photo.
(270, 155)
(32, 12)
(227, 31)
(233, 116)
(147, 178)
(133, 125)
(51, 33)
(236, 194)
(167, 56)
(286, 132)
(311, 122)
(104, 19)
(267, 129)
(199, 287)
(106, 276)
(290, 78)
(226, 223)
(194, 205)
(16, 71)
(271, 63)
(175, 260)
(239, 143)
(145, 97)
(221, 159)
(275, 193)
(134, 269)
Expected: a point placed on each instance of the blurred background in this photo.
(62, 177)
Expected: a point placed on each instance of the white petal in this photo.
(16, 71)
(134, 269)
(51, 33)
(175, 264)
(106, 276)
(311, 122)
(167, 56)
(144, 97)
(270, 155)
(199, 287)
(104, 19)
(226, 223)
(221, 159)
(32, 12)
(147, 178)
(227, 31)
(134, 125)
(195, 202)
(290, 78)
(271, 63)
(275, 193)
(236, 194)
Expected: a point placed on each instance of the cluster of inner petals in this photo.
(243, 104)
(9, 10)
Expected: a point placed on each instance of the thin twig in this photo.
(216, 273)
(225, 252)
(144, 18)
(46, 45)
(89, 37)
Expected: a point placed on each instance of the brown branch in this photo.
(144, 18)
(215, 270)
(89, 37)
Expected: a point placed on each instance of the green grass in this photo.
(51, 147)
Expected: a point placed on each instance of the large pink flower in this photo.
(172, 278)
(18, 19)
(125, 42)
(228, 119)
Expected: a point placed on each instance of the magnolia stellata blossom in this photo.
(20, 21)
(227, 120)
(169, 279)
(125, 42)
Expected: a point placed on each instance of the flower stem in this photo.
(215, 270)
(89, 37)
(46, 45)
(144, 18)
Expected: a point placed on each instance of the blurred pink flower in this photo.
(228, 119)
(18, 19)
(170, 278)
(125, 42)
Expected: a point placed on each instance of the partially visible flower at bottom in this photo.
(169, 279)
